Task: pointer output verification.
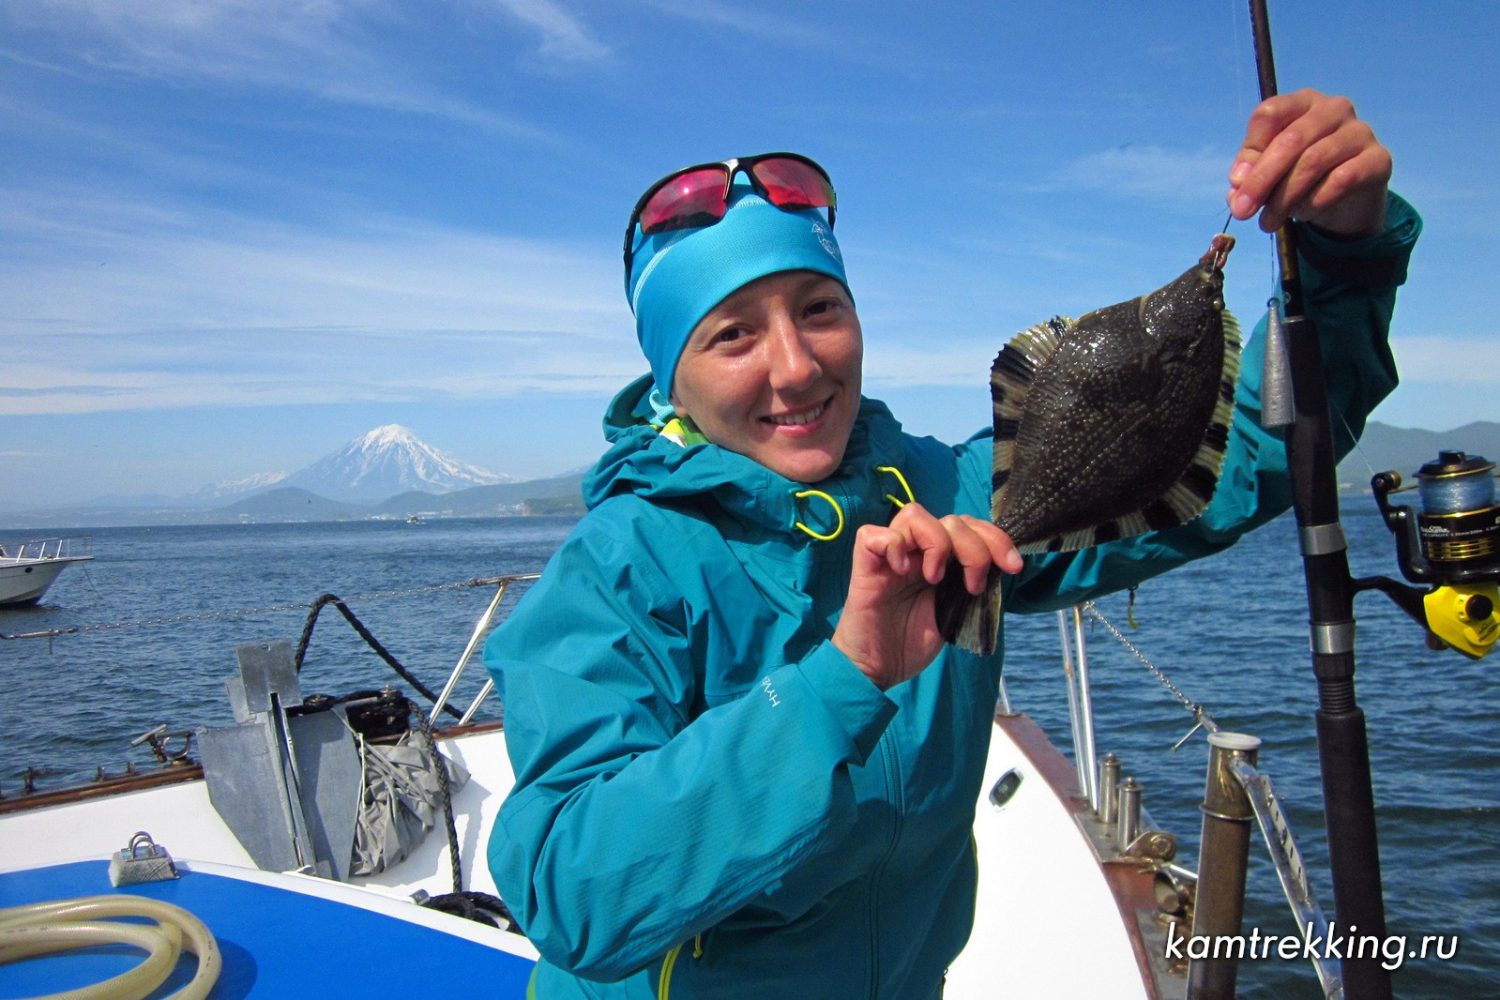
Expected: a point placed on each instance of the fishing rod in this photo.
(1343, 747)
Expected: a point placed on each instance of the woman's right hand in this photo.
(889, 628)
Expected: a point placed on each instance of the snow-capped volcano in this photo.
(386, 461)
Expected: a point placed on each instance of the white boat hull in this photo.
(25, 582)
(1042, 895)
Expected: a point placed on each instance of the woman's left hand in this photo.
(1308, 156)
(889, 626)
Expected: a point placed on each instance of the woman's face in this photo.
(773, 372)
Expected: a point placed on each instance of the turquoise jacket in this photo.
(710, 799)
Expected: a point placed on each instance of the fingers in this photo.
(914, 534)
(1308, 155)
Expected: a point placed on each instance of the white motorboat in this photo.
(27, 569)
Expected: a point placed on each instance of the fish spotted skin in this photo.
(1106, 428)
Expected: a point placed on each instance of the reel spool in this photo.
(1452, 544)
(1460, 523)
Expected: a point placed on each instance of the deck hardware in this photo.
(1290, 869)
(1223, 857)
(1174, 893)
(1109, 789)
(1153, 845)
(1005, 788)
(142, 860)
(160, 741)
(1200, 719)
(1128, 825)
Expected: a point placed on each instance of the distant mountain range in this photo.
(1383, 448)
(390, 473)
(386, 473)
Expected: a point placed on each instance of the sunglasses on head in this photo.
(699, 196)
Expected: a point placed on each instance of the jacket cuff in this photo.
(1374, 262)
(860, 708)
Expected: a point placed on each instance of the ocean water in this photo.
(160, 610)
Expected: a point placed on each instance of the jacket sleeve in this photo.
(1350, 292)
(633, 825)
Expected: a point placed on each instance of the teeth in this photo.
(798, 419)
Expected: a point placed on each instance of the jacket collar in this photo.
(642, 461)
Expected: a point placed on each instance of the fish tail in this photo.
(969, 622)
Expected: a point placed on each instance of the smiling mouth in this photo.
(799, 418)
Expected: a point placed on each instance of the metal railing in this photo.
(1236, 794)
(481, 627)
(38, 549)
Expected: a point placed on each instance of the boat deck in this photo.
(280, 936)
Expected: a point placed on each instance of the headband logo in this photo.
(821, 232)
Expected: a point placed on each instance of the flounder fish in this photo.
(1106, 428)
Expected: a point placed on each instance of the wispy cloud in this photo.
(563, 35)
(752, 21)
(332, 50)
(112, 305)
(1157, 172)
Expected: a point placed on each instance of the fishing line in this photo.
(1359, 450)
(1235, 8)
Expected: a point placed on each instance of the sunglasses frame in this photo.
(730, 167)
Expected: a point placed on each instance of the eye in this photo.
(730, 335)
(824, 306)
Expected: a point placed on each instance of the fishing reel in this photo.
(1452, 545)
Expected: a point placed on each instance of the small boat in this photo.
(27, 569)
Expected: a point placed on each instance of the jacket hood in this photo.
(642, 461)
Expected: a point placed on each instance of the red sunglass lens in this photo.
(792, 183)
(690, 199)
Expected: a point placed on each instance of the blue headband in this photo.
(677, 277)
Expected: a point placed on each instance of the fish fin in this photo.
(969, 622)
(1191, 493)
(1010, 384)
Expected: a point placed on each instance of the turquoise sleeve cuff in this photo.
(859, 707)
(1374, 262)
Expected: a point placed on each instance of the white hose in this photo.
(43, 928)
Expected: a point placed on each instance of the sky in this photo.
(237, 234)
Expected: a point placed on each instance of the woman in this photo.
(746, 764)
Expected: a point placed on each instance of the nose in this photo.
(793, 363)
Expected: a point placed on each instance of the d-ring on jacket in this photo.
(710, 799)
